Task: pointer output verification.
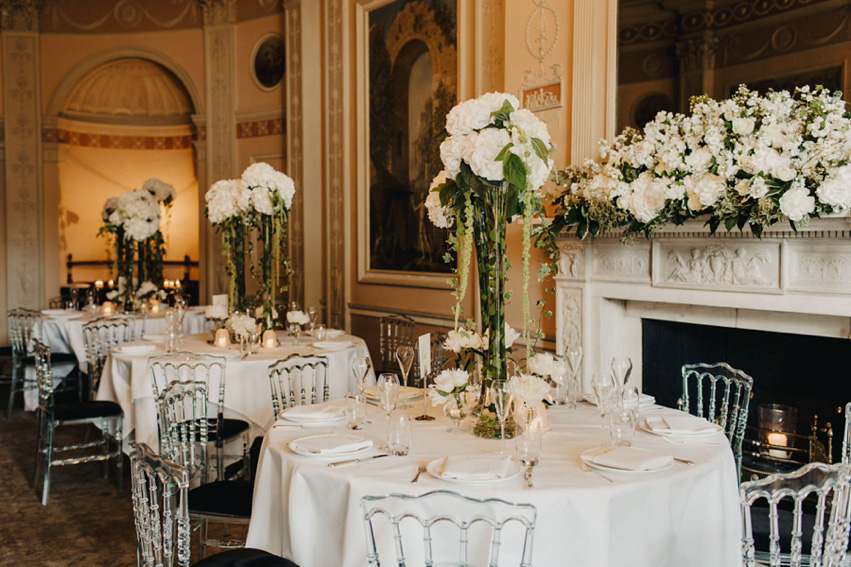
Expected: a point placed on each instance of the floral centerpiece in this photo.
(149, 290)
(267, 196)
(496, 159)
(228, 216)
(296, 320)
(528, 392)
(549, 367)
(453, 390)
(151, 251)
(750, 160)
(242, 326)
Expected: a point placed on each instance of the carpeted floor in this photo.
(87, 522)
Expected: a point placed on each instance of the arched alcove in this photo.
(122, 121)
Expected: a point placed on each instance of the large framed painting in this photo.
(407, 76)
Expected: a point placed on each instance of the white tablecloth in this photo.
(127, 379)
(66, 335)
(683, 516)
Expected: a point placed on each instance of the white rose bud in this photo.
(743, 126)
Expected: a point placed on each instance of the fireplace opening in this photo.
(805, 372)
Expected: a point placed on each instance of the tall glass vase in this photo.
(235, 247)
(489, 229)
(269, 268)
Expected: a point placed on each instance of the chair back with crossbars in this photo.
(23, 328)
(720, 394)
(160, 508)
(395, 331)
(102, 334)
(432, 527)
(298, 380)
(184, 427)
(797, 519)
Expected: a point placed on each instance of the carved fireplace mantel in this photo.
(787, 281)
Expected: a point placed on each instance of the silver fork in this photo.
(586, 468)
(420, 470)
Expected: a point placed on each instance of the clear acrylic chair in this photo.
(50, 415)
(435, 523)
(846, 441)
(704, 383)
(210, 369)
(394, 331)
(298, 380)
(184, 427)
(797, 519)
(102, 334)
(161, 511)
(23, 328)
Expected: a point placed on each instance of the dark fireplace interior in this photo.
(810, 373)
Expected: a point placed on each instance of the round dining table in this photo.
(686, 514)
(127, 378)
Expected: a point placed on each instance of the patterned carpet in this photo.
(87, 522)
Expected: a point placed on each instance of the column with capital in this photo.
(697, 66)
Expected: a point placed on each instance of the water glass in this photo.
(254, 342)
(528, 444)
(399, 433)
(321, 333)
(355, 411)
(172, 339)
(621, 427)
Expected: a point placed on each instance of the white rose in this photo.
(647, 198)
(743, 126)
(528, 389)
(836, 188)
(796, 203)
(482, 158)
(704, 190)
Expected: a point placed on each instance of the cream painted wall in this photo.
(89, 176)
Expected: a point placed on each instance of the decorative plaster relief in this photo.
(569, 331)
(619, 262)
(572, 260)
(752, 266)
(820, 268)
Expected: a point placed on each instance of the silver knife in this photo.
(353, 461)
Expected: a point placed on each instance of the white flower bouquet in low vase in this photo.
(452, 390)
(217, 314)
(529, 393)
(553, 368)
(244, 329)
(296, 320)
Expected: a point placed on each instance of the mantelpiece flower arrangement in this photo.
(496, 158)
(750, 160)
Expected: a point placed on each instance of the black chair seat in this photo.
(245, 557)
(230, 428)
(222, 498)
(84, 410)
(761, 528)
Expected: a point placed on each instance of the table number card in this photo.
(424, 349)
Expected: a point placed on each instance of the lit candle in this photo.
(781, 440)
(107, 308)
(99, 284)
(110, 284)
(222, 338)
(270, 339)
(155, 307)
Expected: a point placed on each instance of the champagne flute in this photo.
(311, 313)
(573, 356)
(500, 399)
(361, 366)
(405, 358)
(621, 368)
(603, 387)
(388, 391)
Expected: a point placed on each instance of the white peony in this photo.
(797, 203)
(646, 199)
(163, 192)
(528, 389)
(463, 339)
(545, 364)
(482, 156)
(743, 126)
(704, 190)
(216, 312)
(242, 325)
(836, 188)
(450, 379)
(298, 318)
(223, 200)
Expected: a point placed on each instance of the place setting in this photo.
(311, 416)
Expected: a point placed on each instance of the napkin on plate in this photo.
(332, 444)
(136, 348)
(334, 333)
(482, 467)
(314, 412)
(679, 424)
(631, 459)
(333, 345)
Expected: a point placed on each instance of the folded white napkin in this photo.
(54, 311)
(334, 333)
(332, 444)
(333, 345)
(314, 412)
(479, 467)
(154, 338)
(135, 348)
(631, 459)
(679, 424)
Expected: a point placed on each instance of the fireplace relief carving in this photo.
(743, 268)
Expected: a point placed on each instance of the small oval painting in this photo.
(269, 61)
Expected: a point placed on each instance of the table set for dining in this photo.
(669, 499)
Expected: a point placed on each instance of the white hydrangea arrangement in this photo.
(297, 318)
(136, 212)
(751, 160)
(222, 200)
(161, 191)
(242, 325)
(264, 190)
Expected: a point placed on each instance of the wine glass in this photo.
(311, 312)
(458, 407)
(621, 368)
(603, 387)
(405, 358)
(500, 398)
(388, 391)
(361, 366)
(573, 356)
(74, 298)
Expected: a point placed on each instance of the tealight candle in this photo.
(222, 338)
(155, 307)
(270, 339)
(99, 284)
(110, 284)
(107, 308)
(778, 439)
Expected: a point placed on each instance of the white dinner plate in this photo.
(436, 466)
(295, 448)
(135, 349)
(406, 394)
(54, 312)
(333, 345)
(646, 401)
(315, 424)
(587, 458)
(154, 338)
(683, 435)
